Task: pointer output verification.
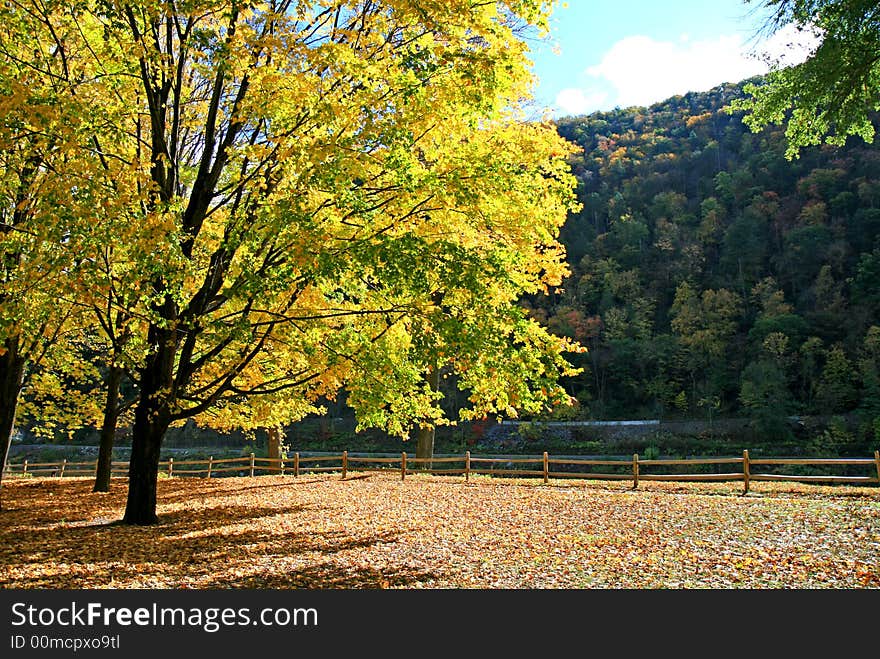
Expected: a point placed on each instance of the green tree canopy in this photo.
(829, 96)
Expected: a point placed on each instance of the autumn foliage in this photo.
(373, 531)
(285, 199)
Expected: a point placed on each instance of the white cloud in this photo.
(573, 101)
(643, 71)
(640, 70)
(787, 46)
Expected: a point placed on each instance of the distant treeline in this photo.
(711, 276)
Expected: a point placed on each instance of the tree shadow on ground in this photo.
(213, 546)
(175, 491)
(330, 575)
(44, 501)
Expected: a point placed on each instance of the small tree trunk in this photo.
(425, 446)
(273, 449)
(425, 435)
(11, 378)
(108, 430)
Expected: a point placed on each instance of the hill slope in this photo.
(712, 276)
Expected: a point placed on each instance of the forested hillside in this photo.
(711, 276)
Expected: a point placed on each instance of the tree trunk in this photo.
(273, 449)
(425, 446)
(108, 430)
(425, 434)
(11, 377)
(143, 470)
(151, 419)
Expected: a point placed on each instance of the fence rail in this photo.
(627, 469)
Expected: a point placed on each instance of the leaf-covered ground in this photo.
(372, 531)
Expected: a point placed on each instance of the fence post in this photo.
(344, 463)
(63, 465)
(635, 471)
(747, 472)
(252, 465)
(546, 468)
(170, 467)
(281, 461)
(210, 465)
(24, 468)
(877, 464)
(403, 466)
(296, 464)
(467, 465)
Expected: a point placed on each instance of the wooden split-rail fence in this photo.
(547, 467)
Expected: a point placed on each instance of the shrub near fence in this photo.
(729, 469)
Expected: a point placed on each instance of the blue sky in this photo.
(617, 53)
